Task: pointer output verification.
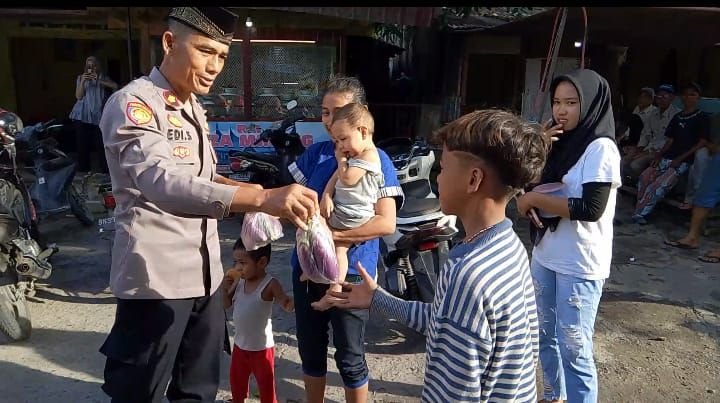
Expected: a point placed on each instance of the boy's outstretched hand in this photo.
(352, 296)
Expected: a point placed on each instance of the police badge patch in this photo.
(174, 121)
(138, 113)
(171, 99)
(181, 152)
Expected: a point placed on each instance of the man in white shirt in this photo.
(652, 138)
(645, 107)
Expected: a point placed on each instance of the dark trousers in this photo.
(88, 140)
(348, 328)
(153, 340)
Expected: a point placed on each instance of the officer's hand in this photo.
(294, 202)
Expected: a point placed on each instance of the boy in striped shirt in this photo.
(482, 327)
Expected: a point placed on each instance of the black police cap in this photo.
(217, 23)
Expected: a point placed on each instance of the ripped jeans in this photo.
(567, 306)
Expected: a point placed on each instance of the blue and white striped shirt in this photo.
(482, 327)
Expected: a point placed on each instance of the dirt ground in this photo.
(657, 333)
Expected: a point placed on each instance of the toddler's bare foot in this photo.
(323, 304)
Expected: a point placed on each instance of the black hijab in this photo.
(596, 121)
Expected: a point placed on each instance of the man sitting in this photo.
(705, 200)
(652, 138)
(686, 133)
(645, 107)
(696, 172)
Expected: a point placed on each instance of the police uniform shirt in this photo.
(162, 166)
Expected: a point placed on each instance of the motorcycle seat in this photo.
(417, 189)
(269, 158)
(57, 163)
(418, 207)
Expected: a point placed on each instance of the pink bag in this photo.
(260, 229)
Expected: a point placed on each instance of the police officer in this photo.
(166, 267)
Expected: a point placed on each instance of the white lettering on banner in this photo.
(244, 134)
(229, 136)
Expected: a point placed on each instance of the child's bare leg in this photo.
(341, 251)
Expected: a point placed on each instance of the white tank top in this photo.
(252, 317)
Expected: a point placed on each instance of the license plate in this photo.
(106, 221)
(240, 177)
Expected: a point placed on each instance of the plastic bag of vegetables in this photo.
(316, 252)
(259, 229)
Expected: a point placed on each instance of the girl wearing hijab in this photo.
(92, 88)
(573, 240)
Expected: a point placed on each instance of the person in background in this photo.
(573, 246)
(686, 133)
(92, 88)
(632, 125)
(701, 161)
(706, 199)
(652, 138)
(645, 107)
(629, 128)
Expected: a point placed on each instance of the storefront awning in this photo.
(609, 24)
(415, 16)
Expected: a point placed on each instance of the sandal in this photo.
(679, 245)
(685, 206)
(709, 259)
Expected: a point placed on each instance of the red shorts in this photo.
(259, 363)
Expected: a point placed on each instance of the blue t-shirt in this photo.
(315, 167)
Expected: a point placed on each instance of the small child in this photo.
(350, 196)
(251, 291)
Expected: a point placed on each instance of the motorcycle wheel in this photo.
(78, 207)
(14, 315)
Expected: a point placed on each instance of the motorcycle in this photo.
(270, 170)
(413, 161)
(412, 257)
(52, 190)
(106, 225)
(23, 256)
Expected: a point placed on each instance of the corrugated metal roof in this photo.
(473, 23)
(649, 25)
(415, 16)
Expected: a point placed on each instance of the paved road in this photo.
(658, 332)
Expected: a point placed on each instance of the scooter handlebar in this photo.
(284, 125)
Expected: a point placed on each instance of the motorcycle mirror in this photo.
(292, 105)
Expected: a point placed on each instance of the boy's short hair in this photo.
(648, 91)
(356, 115)
(516, 149)
(256, 254)
(692, 86)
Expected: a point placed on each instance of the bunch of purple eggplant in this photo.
(316, 252)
